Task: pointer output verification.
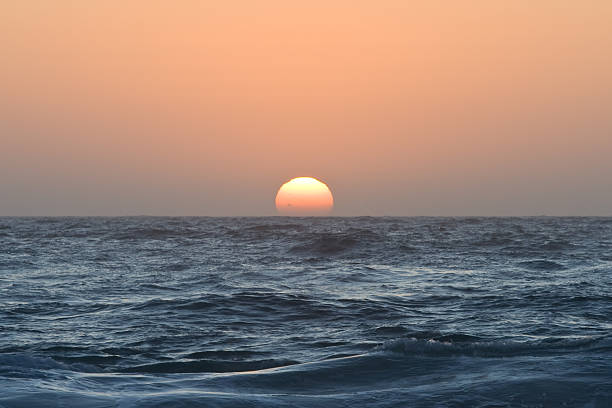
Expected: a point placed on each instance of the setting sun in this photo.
(304, 196)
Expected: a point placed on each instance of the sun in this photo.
(304, 196)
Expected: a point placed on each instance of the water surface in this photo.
(323, 312)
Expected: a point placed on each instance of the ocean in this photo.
(305, 312)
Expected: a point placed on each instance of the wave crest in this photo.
(457, 345)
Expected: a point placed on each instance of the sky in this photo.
(150, 107)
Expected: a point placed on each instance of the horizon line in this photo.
(308, 216)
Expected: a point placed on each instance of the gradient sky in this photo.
(401, 107)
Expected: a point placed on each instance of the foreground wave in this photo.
(405, 371)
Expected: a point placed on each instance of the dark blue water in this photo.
(324, 312)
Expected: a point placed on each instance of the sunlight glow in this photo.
(304, 196)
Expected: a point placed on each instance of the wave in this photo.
(156, 286)
(16, 363)
(209, 366)
(224, 354)
(148, 233)
(270, 227)
(454, 369)
(465, 345)
(542, 265)
(266, 304)
(415, 344)
(326, 244)
(90, 360)
(495, 239)
(329, 244)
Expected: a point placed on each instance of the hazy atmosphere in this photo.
(402, 108)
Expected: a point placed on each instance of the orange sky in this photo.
(402, 108)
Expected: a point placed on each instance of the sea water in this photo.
(305, 312)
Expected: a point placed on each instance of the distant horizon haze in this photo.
(480, 108)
